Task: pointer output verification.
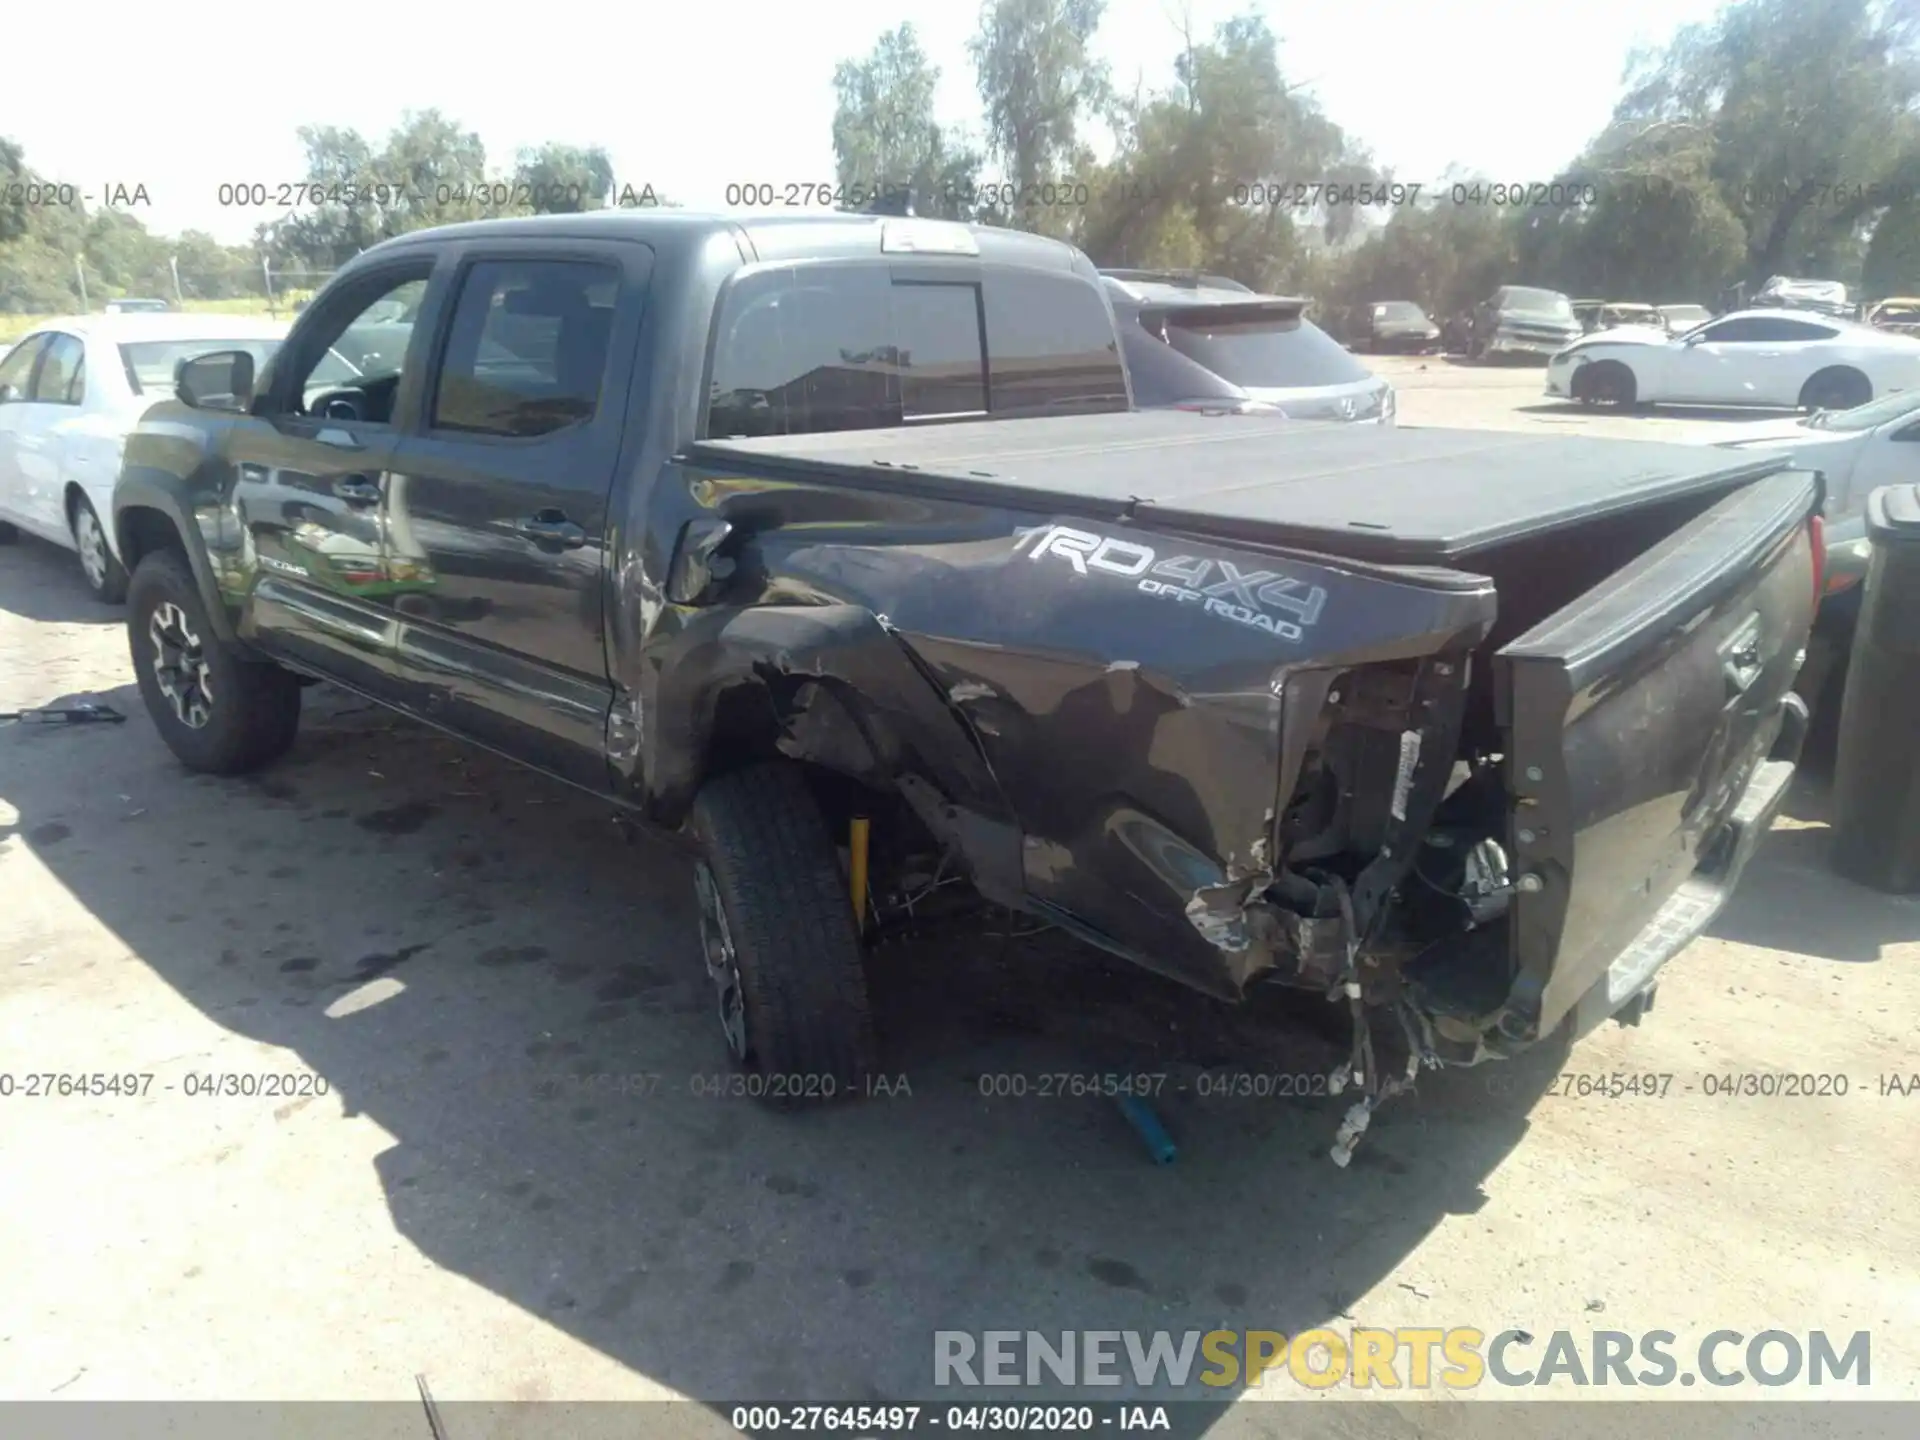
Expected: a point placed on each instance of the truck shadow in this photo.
(43, 582)
(1791, 899)
(476, 961)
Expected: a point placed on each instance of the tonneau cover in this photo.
(1397, 495)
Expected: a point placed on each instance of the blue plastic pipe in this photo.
(1147, 1124)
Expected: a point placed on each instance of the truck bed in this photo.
(1396, 496)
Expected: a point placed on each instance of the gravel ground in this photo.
(470, 962)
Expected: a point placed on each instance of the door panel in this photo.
(310, 475)
(309, 494)
(497, 519)
(39, 451)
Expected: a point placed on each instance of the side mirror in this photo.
(222, 380)
(8, 394)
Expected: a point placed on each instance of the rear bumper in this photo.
(1694, 905)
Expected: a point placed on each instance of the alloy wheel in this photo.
(92, 543)
(180, 665)
(723, 966)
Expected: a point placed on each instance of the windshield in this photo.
(1543, 302)
(1896, 406)
(1262, 350)
(1399, 310)
(150, 363)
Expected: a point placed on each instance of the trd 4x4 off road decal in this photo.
(1218, 586)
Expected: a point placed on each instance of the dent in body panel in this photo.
(1136, 744)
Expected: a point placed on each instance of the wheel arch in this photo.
(829, 687)
(1838, 370)
(148, 515)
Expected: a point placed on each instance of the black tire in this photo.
(106, 577)
(1836, 389)
(251, 709)
(797, 956)
(1606, 382)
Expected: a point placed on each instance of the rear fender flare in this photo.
(842, 691)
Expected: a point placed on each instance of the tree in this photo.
(1034, 67)
(429, 172)
(1804, 112)
(564, 179)
(13, 199)
(1892, 265)
(884, 133)
(1207, 174)
(1643, 219)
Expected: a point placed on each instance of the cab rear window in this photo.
(801, 349)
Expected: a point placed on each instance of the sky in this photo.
(694, 97)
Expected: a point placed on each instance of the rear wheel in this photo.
(106, 577)
(1836, 389)
(778, 936)
(218, 712)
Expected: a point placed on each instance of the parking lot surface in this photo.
(489, 1153)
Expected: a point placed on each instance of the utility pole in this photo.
(80, 274)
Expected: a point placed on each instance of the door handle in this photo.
(357, 490)
(552, 529)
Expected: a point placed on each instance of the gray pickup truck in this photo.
(833, 548)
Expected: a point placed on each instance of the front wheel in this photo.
(106, 576)
(1605, 382)
(778, 936)
(218, 711)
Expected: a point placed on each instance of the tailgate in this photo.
(1634, 719)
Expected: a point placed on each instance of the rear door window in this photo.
(1259, 350)
(528, 347)
(17, 369)
(60, 381)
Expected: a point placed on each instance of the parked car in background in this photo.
(1681, 318)
(1778, 358)
(1858, 451)
(69, 393)
(1900, 314)
(138, 307)
(1193, 345)
(1597, 315)
(1523, 320)
(1390, 327)
(1823, 297)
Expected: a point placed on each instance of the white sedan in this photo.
(1858, 450)
(70, 391)
(1785, 359)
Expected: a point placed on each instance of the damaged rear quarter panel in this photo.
(1121, 691)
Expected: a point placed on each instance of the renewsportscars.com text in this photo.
(1461, 1358)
